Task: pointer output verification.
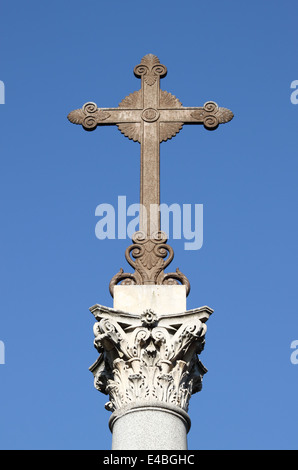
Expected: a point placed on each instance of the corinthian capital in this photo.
(149, 357)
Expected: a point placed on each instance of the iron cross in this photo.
(150, 116)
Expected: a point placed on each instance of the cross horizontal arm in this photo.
(90, 116)
(210, 115)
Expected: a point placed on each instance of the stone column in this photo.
(148, 364)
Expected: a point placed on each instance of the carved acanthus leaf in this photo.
(169, 130)
(167, 100)
(224, 115)
(131, 130)
(198, 114)
(102, 115)
(77, 116)
(132, 101)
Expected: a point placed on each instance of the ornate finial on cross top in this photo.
(150, 116)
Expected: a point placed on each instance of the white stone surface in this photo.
(161, 299)
(150, 428)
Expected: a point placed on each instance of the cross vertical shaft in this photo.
(150, 70)
(150, 181)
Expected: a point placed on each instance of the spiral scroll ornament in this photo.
(149, 256)
(210, 119)
(211, 115)
(211, 107)
(89, 122)
(150, 69)
(89, 116)
(90, 108)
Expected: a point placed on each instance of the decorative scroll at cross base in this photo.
(150, 261)
(150, 116)
(148, 357)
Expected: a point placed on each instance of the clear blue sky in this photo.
(57, 55)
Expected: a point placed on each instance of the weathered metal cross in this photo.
(150, 116)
